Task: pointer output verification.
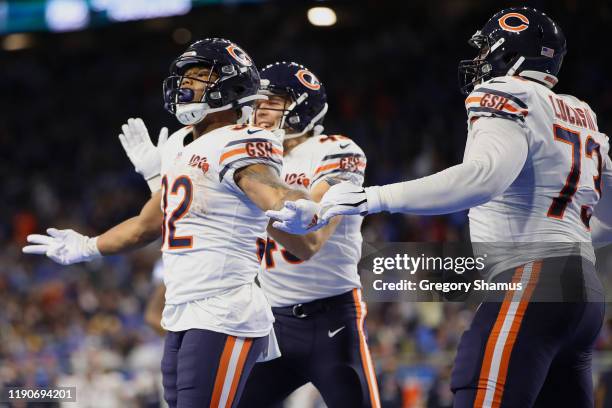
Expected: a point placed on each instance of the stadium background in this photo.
(390, 73)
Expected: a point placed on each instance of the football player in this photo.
(311, 281)
(217, 177)
(313, 286)
(534, 169)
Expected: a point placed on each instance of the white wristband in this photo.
(373, 197)
(154, 183)
(92, 249)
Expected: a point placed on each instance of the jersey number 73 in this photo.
(572, 138)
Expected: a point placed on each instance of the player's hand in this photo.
(296, 217)
(343, 198)
(144, 155)
(63, 246)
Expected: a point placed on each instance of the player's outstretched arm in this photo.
(494, 159)
(305, 246)
(263, 186)
(135, 232)
(67, 246)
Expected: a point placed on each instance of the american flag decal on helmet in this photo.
(547, 52)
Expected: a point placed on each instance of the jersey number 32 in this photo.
(182, 185)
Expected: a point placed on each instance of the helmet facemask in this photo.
(188, 105)
(290, 121)
(187, 96)
(477, 70)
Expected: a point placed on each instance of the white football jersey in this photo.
(286, 279)
(210, 263)
(553, 197)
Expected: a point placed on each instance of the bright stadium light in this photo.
(66, 15)
(322, 16)
(121, 10)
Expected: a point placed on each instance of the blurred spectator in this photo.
(390, 71)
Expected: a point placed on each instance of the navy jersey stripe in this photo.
(499, 113)
(255, 160)
(253, 140)
(341, 155)
(336, 171)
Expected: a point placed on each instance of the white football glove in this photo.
(343, 198)
(144, 155)
(296, 217)
(63, 246)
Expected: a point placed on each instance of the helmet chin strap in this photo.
(515, 66)
(246, 112)
(544, 78)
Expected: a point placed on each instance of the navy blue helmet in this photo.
(515, 41)
(236, 84)
(308, 100)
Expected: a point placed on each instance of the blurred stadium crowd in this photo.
(390, 74)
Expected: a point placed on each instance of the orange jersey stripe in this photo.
(514, 329)
(222, 371)
(327, 167)
(231, 153)
(512, 109)
(366, 360)
(473, 99)
(238, 373)
(334, 166)
(243, 150)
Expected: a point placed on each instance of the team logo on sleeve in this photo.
(308, 79)
(513, 22)
(239, 55)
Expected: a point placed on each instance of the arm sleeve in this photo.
(493, 160)
(343, 159)
(601, 222)
(262, 148)
(499, 98)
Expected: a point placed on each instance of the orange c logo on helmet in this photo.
(308, 79)
(516, 28)
(239, 55)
